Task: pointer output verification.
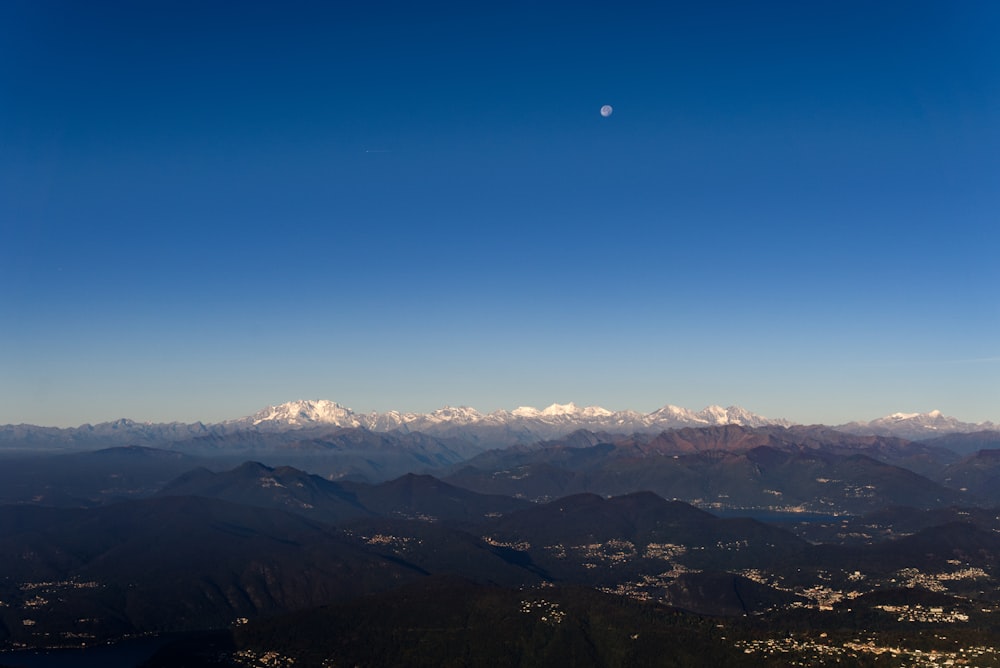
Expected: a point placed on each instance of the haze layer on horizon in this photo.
(208, 208)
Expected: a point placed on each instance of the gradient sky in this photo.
(206, 207)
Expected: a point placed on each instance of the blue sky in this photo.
(210, 207)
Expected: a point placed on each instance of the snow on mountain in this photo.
(595, 412)
(670, 417)
(303, 413)
(673, 413)
(562, 412)
(388, 421)
(742, 417)
(500, 428)
(560, 409)
(555, 418)
(916, 426)
(455, 415)
(714, 415)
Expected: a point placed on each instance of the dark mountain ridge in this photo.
(285, 488)
(171, 563)
(758, 470)
(290, 489)
(979, 474)
(91, 478)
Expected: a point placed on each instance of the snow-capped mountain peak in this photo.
(500, 428)
(915, 425)
(670, 409)
(714, 415)
(561, 409)
(570, 410)
(305, 413)
(459, 414)
(553, 420)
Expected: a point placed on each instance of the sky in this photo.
(210, 207)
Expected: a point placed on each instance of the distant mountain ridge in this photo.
(916, 426)
(560, 419)
(792, 469)
(310, 413)
(480, 431)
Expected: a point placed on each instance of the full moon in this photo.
(606, 110)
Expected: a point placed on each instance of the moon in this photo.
(607, 110)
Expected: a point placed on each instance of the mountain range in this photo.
(476, 431)
(235, 551)
(305, 532)
(917, 426)
(539, 423)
